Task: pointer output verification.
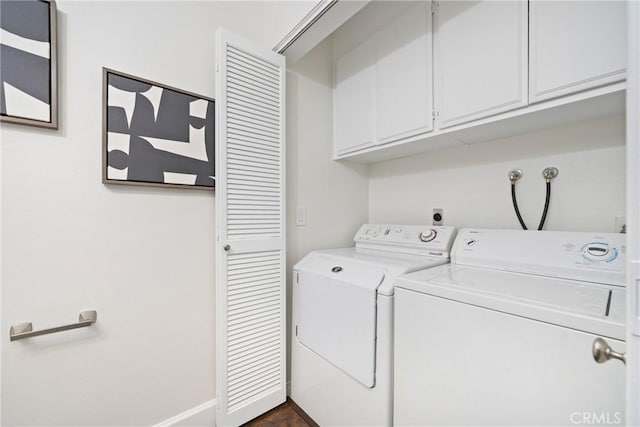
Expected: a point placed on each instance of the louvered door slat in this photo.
(248, 106)
(252, 76)
(250, 207)
(266, 69)
(253, 166)
(249, 347)
(255, 318)
(245, 384)
(239, 185)
(241, 92)
(242, 83)
(243, 78)
(253, 132)
(240, 288)
(241, 382)
(252, 114)
(252, 152)
(263, 123)
(241, 138)
(237, 159)
(253, 157)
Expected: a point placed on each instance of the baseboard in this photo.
(302, 413)
(201, 416)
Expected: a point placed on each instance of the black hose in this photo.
(515, 205)
(546, 206)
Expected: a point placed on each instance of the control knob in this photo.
(599, 251)
(427, 235)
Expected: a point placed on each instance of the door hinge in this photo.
(434, 7)
(297, 277)
(296, 330)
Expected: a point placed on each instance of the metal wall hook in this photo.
(25, 330)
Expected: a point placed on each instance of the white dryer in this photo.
(342, 346)
(505, 334)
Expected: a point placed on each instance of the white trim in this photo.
(633, 218)
(302, 26)
(320, 22)
(201, 415)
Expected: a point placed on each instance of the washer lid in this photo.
(588, 307)
(561, 294)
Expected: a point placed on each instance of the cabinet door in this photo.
(481, 59)
(404, 75)
(575, 45)
(353, 98)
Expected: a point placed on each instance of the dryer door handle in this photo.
(602, 352)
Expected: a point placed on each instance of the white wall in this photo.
(470, 183)
(335, 194)
(142, 257)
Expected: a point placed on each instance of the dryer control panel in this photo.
(412, 239)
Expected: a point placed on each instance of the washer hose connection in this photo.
(514, 176)
(548, 174)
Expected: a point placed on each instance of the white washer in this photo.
(341, 352)
(503, 335)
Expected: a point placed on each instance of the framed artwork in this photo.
(28, 77)
(156, 135)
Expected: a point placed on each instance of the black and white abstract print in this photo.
(25, 60)
(156, 134)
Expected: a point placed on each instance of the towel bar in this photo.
(25, 330)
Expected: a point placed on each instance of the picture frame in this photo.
(28, 63)
(156, 135)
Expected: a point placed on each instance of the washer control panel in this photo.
(594, 257)
(437, 239)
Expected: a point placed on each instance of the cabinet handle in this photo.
(226, 247)
(602, 352)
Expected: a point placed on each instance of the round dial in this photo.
(599, 251)
(427, 235)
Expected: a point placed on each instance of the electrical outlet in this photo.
(438, 216)
(619, 224)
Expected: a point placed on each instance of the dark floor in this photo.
(284, 415)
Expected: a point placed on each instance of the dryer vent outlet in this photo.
(438, 216)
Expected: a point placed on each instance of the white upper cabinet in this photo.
(404, 75)
(383, 85)
(575, 45)
(480, 59)
(354, 108)
(415, 76)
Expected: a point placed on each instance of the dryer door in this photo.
(337, 312)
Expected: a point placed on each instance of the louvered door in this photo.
(250, 288)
